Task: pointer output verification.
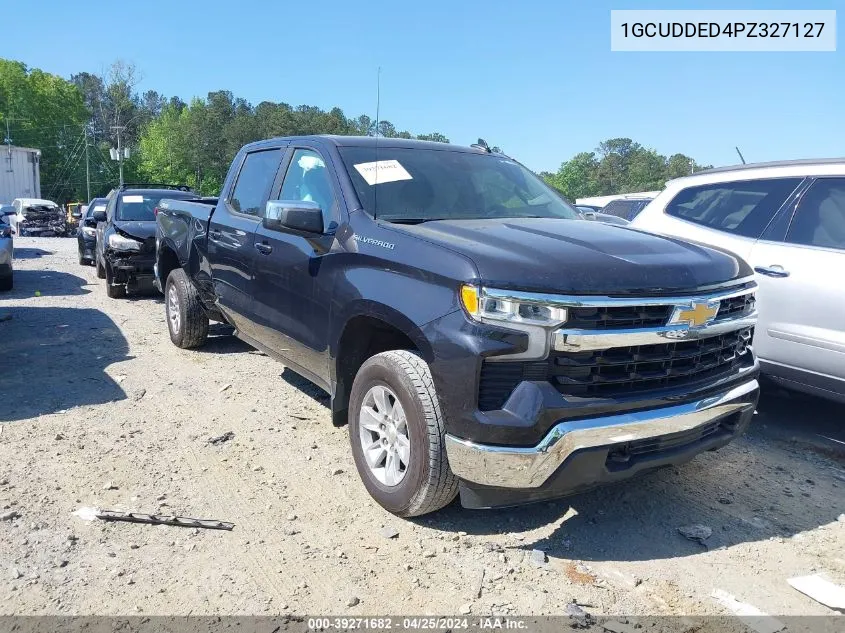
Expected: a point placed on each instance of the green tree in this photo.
(577, 177)
(48, 113)
(678, 165)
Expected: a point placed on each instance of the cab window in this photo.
(254, 181)
(308, 179)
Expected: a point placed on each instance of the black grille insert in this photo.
(623, 370)
(735, 306)
(617, 317)
(620, 370)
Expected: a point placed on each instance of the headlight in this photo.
(120, 243)
(89, 231)
(516, 311)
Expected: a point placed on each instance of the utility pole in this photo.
(87, 165)
(8, 142)
(119, 129)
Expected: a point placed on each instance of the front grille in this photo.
(617, 317)
(620, 370)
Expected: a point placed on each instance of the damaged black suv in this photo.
(125, 252)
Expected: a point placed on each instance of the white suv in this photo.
(788, 221)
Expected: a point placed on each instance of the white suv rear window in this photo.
(742, 207)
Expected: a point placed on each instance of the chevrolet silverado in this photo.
(477, 336)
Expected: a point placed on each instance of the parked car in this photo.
(475, 338)
(7, 249)
(125, 236)
(597, 216)
(588, 208)
(626, 208)
(86, 237)
(38, 218)
(787, 220)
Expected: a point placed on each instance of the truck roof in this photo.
(369, 141)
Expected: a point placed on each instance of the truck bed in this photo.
(181, 223)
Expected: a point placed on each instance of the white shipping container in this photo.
(20, 173)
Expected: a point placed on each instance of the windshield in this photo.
(415, 185)
(98, 204)
(140, 207)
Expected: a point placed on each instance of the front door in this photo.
(292, 296)
(231, 236)
(801, 296)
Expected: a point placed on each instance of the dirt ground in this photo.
(99, 409)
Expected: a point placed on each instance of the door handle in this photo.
(775, 270)
(264, 249)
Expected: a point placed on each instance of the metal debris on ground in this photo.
(389, 532)
(159, 519)
(699, 533)
(821, 590)
(228, 435)
(538, 557)
(224, 388)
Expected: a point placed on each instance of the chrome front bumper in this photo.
(531, 467)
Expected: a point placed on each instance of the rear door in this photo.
(231, 236)
(802, 286)
(292, 297)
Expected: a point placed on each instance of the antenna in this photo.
(378, 107)
(740, 155)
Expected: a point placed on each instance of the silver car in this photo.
(7, 249)
(787, 220)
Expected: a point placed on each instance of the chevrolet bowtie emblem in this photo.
(695, 315)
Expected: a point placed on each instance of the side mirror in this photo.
(99, 216)
(297, 215)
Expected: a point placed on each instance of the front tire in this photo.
(113, 290)
(101, 271)
(397, 434)
(187, 321)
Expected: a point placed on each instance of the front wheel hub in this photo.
(383, 433)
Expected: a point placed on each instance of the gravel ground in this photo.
(99, 409)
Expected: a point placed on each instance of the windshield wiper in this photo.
(411, 220)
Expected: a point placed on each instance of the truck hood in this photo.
(578, 257)
(139, 230)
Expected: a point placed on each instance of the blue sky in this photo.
(535, 77)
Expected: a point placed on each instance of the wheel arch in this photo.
(372, 329)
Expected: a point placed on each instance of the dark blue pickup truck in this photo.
(476, 335)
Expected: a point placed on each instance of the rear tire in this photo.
(427, 483)
(187, 321)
